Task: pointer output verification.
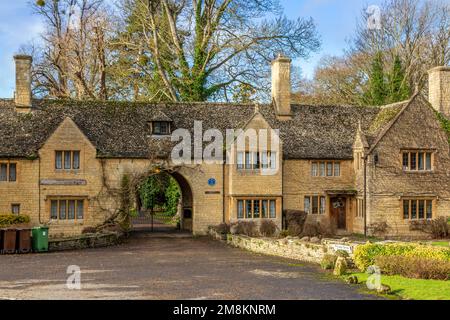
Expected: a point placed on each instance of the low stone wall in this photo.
(291, 248)
(86, 241)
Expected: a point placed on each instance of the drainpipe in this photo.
(223, 192)
(39, 190)
(365, 195)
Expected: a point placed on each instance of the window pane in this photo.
(80, 209)
(76, 160)
(405, 161)
(67, 159)
(3, 172)
(421, 209)
(265, 208)
(322, 205)
(421, 160)
(15, 209)
(428, 161)
(255, 160)
(240, 209)
(12, 172)
(273, 160)
(322, 169)
(315, 205)
(62, 209)
(248, 160)
(264, 160)
(413, 209)
(58, 160)
(71, 210)
(157, 127)
(54, 210)
(248, 209)
(273, 212)
(240, 160)
(337, 169)
(314, 169)
(429, 209)
(405, 209)
(256, 209)
(308, 205)
(413, 161)
(329, 169)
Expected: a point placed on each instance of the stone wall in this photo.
(86, 241)
(291, 248)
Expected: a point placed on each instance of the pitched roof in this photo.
(119, 130)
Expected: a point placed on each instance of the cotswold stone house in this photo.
(63, 163)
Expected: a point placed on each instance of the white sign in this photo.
(343, 247)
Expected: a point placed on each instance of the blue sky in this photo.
(335, 20)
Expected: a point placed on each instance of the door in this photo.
(338, 212)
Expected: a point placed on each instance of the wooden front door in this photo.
(338, 212)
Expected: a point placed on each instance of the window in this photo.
(240, 211)
(358, 160)
(326, 169)
(256, 209)
(417, 161)
(359, 208)
(315, 204)
(67, 209)
(15, 209)
(161, 128)
(417, 209)
(256, 160)
(8, 172)
(69, 160)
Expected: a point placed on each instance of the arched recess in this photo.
(187, 201)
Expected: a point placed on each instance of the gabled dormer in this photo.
(160, 124)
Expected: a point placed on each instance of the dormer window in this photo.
(160, 128)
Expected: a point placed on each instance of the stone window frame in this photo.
(256, 160)
(66, 199)
(417, 200)
(8, 178)
(321, 204)
(252, 200)
(155, 124)
(417, 153)
(63, 167)
(320, 168)
(359, 212)
(15, 206)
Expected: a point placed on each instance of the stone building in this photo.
(64, 163)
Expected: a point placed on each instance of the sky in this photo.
(335, 20)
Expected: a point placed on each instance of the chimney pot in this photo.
(281, 86)
(22, 95)
(439, 89)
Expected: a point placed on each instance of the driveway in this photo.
(168, 267)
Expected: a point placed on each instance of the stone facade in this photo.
(112, 142)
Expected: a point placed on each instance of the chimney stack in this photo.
(281, 86)
(439, 89)
(22, 95)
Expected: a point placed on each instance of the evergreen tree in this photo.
(398, 87)
(377, 92)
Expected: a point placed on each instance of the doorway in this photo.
(339, 212)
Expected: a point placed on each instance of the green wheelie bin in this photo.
(40, 239)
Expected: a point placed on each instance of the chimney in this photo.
(439, 89)
(22, 95)
(281, 86)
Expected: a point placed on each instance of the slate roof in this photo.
(120, 130)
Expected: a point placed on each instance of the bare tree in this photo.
(71, 56)
(195, 50)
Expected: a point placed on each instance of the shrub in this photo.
(11, 219)
(364, 255)
(267, 228)
(438, 228)
(222, 228)
(378, 228)
(314, 228)
(328, 261)
(414, 267)
(284, 233)
(295, 221)
(247, 228)
(89, 230)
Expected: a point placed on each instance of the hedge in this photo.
(364, 255)
(11, 219)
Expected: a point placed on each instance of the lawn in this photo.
(416, 289)
(441, 243)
